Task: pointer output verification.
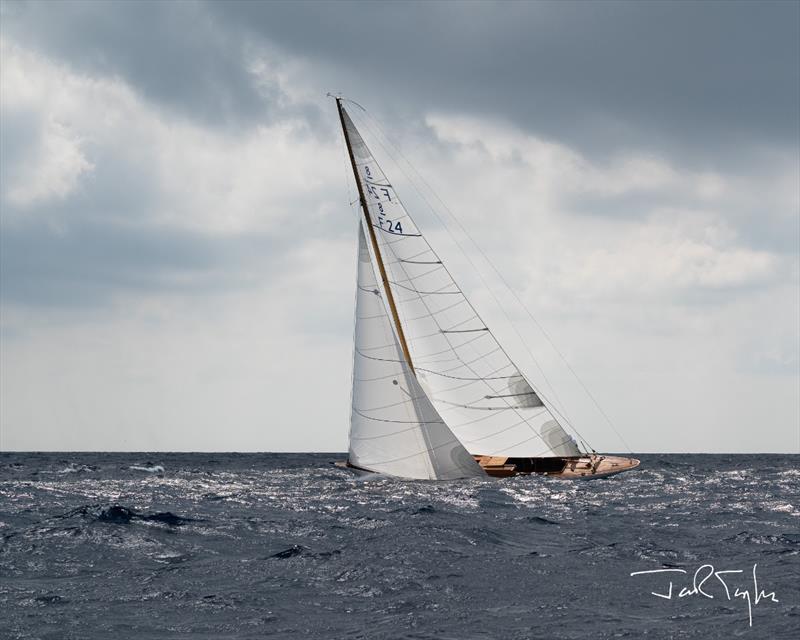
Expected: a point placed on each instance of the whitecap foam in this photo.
(154, 469)
(75, 468)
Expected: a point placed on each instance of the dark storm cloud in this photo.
(700, 79)
(89, 262)
(707, 76)
(173, 53)
(697, 79)
(19, 136)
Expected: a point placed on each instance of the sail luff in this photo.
(374, 241)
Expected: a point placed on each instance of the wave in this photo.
(148, 468)
(76, 468)
(290, 552)
(541, 520)
(755, 538)
(118, 514)
(298, 550)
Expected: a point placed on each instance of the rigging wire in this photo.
(433, 315)
(558, 410)
(382, 134)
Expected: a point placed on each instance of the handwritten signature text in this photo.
(706, 572)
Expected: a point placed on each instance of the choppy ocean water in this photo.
(99, 545)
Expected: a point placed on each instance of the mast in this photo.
(376, 250)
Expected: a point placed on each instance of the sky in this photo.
(178, 244)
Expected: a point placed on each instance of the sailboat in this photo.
(435, 395)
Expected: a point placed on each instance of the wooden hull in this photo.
(580, 468)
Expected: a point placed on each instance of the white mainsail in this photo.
(459, 365)
(394, 429)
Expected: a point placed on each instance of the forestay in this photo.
(473, 384)
(394, 429)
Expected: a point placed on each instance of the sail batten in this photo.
(437, 319)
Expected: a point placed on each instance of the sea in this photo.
(226, 545)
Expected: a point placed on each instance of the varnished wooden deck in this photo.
(583, 468)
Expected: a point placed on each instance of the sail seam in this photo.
(513, 395)
(421, 275)
(490, 435)
(481, 419)
(430, 315)
(402, 237)
(391, 375)
(449, 349)
(541, 437)
(471, 408)
(418, 453)
(385, 435)
(427, 335)
(426, 293)
(473, 379)
(452, 329)
(467, 363)
(419, 261)
(412, 257)
(383, 346)
(398, 421)
(358, 352)
(464, 330)
(394, 404)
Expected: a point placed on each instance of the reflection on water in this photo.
(232, 545)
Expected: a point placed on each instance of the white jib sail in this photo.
(394, 429)
(473, 384)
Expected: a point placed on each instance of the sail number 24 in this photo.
(383, 222)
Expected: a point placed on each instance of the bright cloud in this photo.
(204, 179)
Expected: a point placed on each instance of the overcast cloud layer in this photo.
(177, 255)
